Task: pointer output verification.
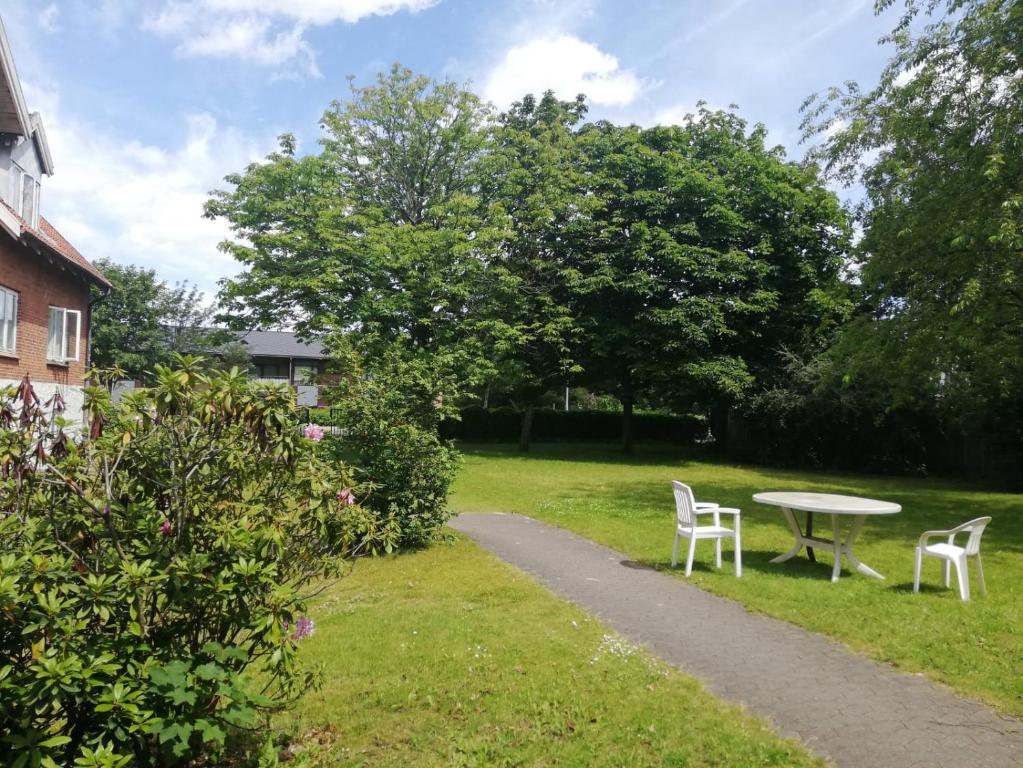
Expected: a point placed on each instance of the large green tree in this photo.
(381, 235)
(142, 321)
(705, 254)
(938, 148)
(533, 176)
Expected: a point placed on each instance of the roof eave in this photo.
(10, 75)
(93, 277)
(42, 145)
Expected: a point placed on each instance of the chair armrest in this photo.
(729, 510)
(706, 504)
(928, 535)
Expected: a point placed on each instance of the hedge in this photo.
(503, 425)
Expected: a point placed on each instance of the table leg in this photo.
(837, 539)
(854, 561)
(798, 534)
(809, 532)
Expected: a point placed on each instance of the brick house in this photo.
(44, 281)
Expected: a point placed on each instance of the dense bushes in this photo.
(145, 569)
(503, 424)
(389, 418)
(815, 416)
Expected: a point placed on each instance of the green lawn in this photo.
(448, 657)
(627, 504)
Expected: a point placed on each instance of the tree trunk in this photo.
(722, 426)
(527, 429)
(627, 404)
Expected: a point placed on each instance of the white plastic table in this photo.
(832, 504)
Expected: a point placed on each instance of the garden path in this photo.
(846, 708)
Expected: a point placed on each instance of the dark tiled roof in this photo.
(280, 344)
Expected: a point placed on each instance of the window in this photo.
(65, 330)
(8, 320)
(25, 195)
(15, 198)
(30, 200)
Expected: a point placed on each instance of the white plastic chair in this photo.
(687, 510)
(954, 555)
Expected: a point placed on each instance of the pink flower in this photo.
(304, 628)
(166, 528)
(346, 497)
(313, 432)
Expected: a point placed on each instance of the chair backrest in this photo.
(976, 529)
(685, 504)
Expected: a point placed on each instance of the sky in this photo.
(148, 104)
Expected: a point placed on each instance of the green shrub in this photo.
(503, 425)
(153, 571)
(390, 418)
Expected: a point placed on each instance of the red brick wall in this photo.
(41, 283)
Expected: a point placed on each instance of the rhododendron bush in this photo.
(155, 568)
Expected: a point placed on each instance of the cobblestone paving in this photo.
(846, 708)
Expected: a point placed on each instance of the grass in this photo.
(626, 503)
(447, 657)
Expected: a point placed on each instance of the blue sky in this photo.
(149, 103)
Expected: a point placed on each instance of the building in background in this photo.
(45, 283)
(278, 357)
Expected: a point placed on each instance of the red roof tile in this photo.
(48, 235)
(68, 251)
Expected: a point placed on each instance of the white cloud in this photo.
(908, 75)
(566, 65)
(269, 32)
(139, 204)
(320, 11)
(47, 18)
(834, 128)
(680, 114)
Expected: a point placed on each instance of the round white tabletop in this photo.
(828, 503)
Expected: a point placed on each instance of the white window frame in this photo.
(7, 295)
(19, 179)
(32, 215)
(62, 338)
(17, 183)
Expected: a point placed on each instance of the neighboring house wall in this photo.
(292, 371)
(41, 284)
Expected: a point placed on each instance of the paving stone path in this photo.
(846, 708)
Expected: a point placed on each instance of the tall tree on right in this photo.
(706, 253)
(938, 148)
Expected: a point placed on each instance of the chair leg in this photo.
(964, 578)
(738, 550)
(717, 553)
(674, 552)
(916, 570)
(980, 576)
(948, 574)
(692, 551)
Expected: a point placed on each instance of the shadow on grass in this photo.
(752, 560)
(906, 587)
(922, 508)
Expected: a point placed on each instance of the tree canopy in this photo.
(938, 148)
(382, 234)
(142, 321)
(534, 250)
